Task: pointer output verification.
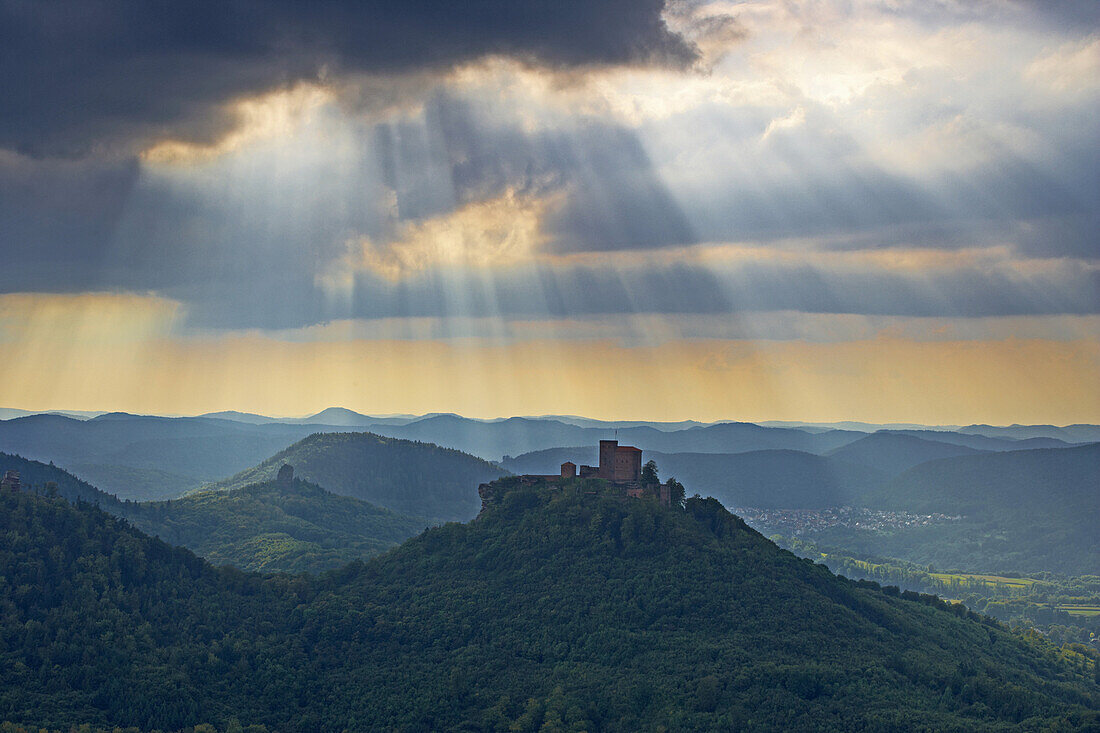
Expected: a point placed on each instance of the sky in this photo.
(625, 209)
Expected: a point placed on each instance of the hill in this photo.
(772, 479)
(1069, 433)
(981, 442)
(553, 612)
(416, 479)
(250, 418)
(1024, 511)
(270, 527)
(136, 484)
(275, 526)
(35, 475)
(893, 453)
(1063, 481)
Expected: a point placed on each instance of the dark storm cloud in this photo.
(70, 225)
(1071, 15)
(57, 220)
(77, 74)
(613, 198)
(78, 225)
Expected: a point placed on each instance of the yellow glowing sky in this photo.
(99, 352)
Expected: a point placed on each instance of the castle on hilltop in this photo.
(620, 466)
(618, 463)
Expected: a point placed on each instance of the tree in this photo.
(649, 473)
(675, 492)
(706, 694)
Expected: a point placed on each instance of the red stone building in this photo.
(620, 463)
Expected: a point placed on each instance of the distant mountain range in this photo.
(400, 467)
(151, 458)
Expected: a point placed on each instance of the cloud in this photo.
(79, 76)
(1073, 68)
(502, 231)
(502, 188)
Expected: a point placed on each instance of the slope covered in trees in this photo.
(553, 611)
(416, 479)
(275, 526)
(35, 474)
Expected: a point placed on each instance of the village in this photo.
(800, 521)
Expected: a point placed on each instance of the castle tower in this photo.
(607, 459)
(628, 463)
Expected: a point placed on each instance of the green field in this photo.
(1080, 610)
(947, 578)
(987, 579)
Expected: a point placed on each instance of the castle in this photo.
(619, 465)
(10, 482)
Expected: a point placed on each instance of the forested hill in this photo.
(570, 611)
(272, 526)
(1048, 480)
(36, 475)
(276, 526)
(416, 479)
(1029, 510)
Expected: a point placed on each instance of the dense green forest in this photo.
(292, 526)
(272, 527)
(417, 479)
(564, 611)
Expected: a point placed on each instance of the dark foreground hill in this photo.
(416, 479)
(564, 612)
